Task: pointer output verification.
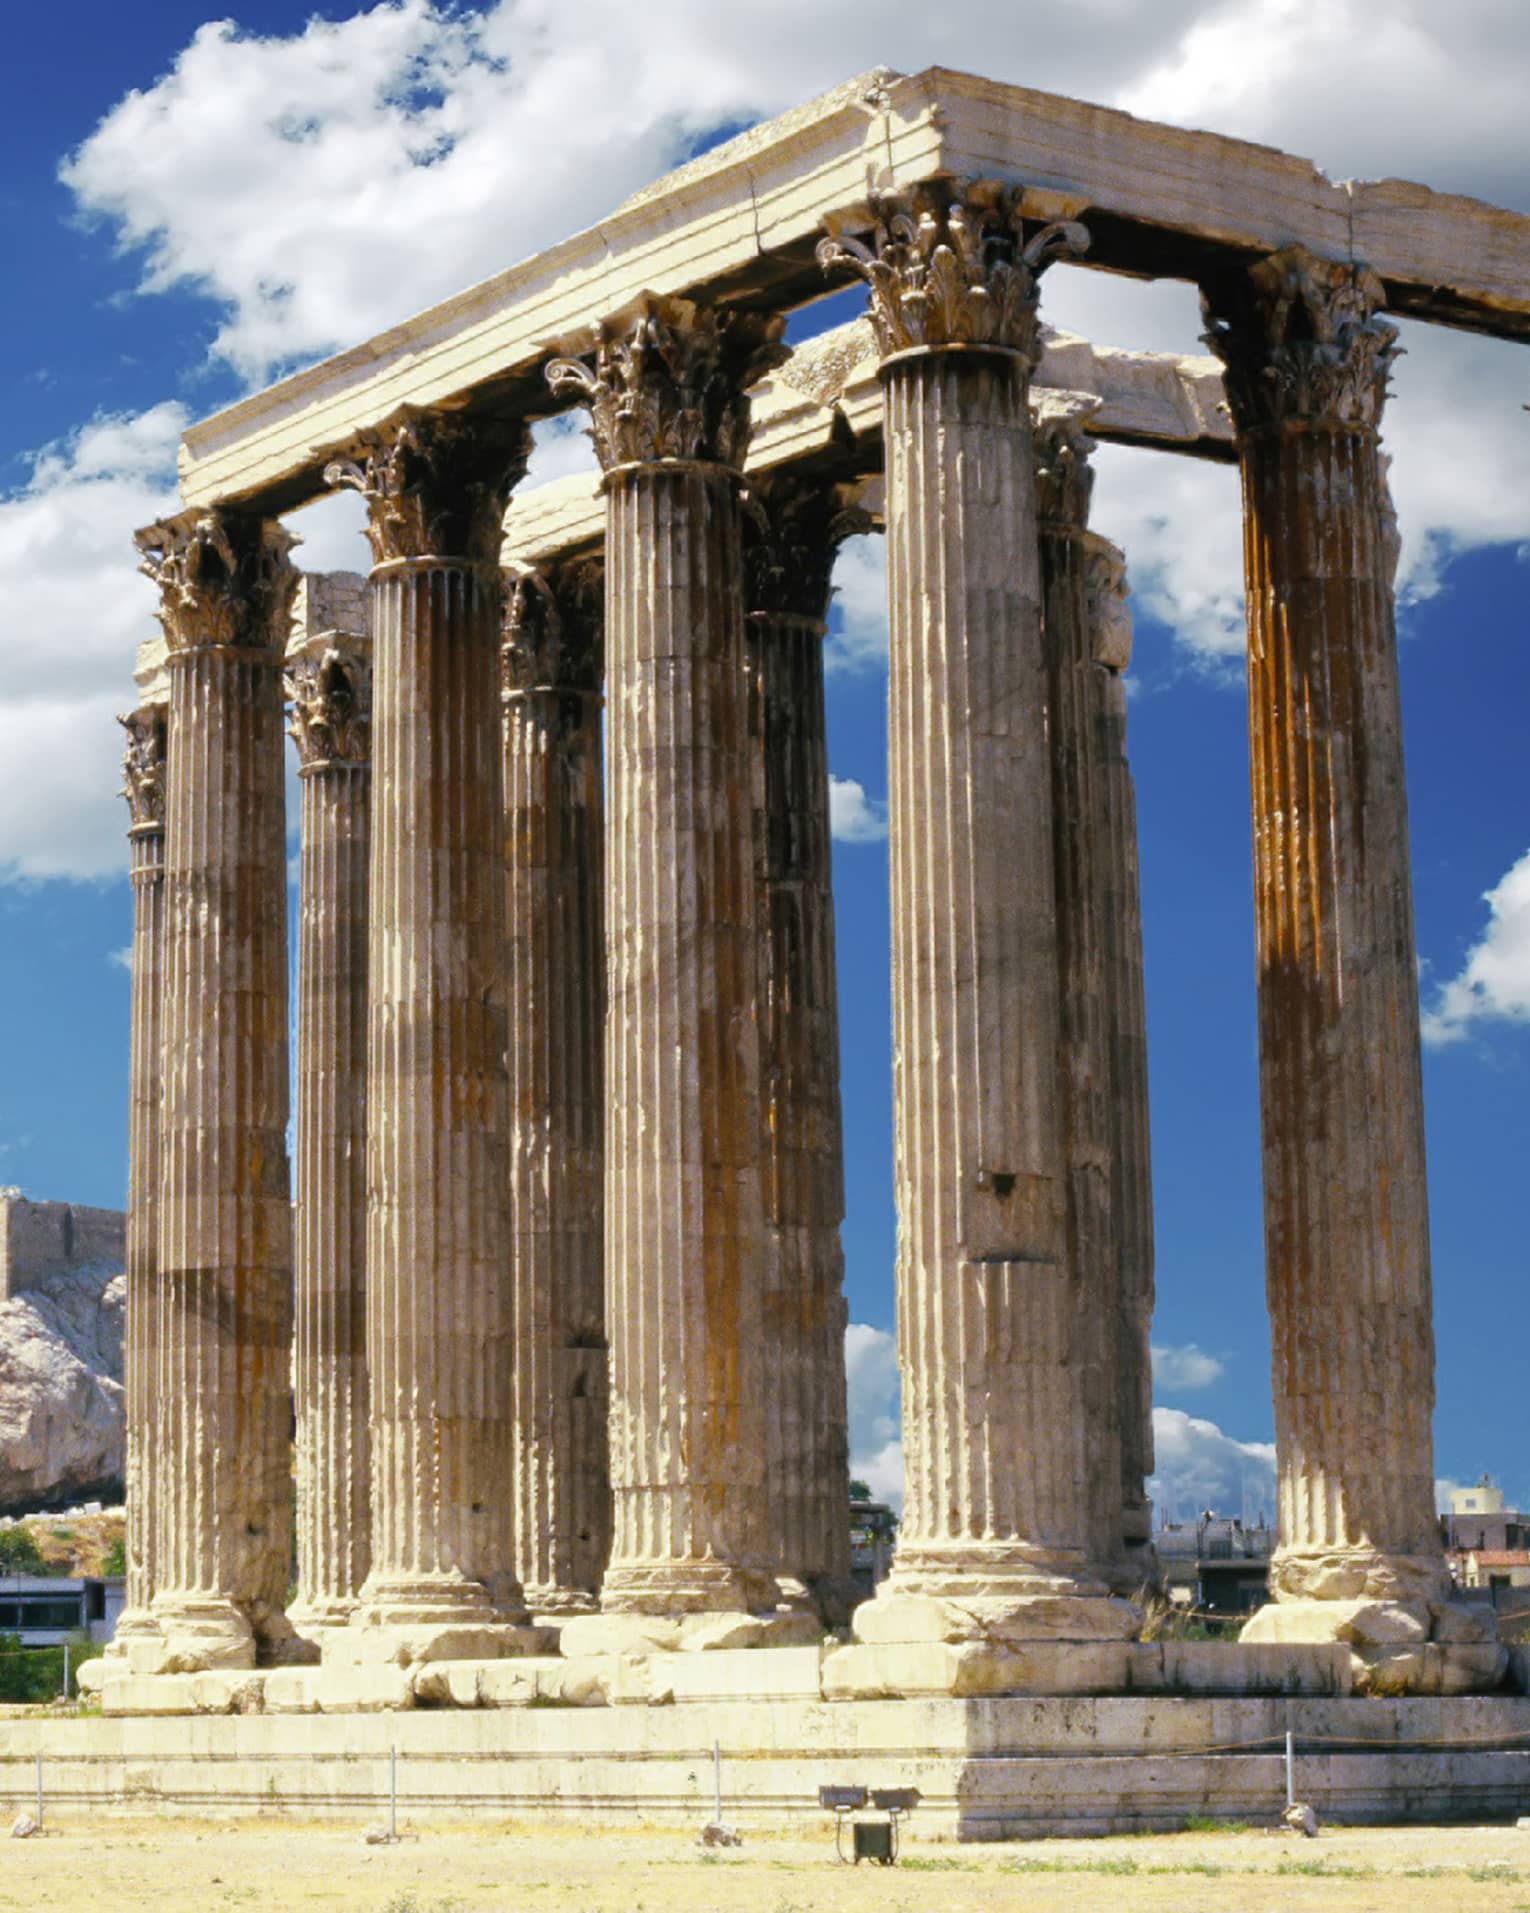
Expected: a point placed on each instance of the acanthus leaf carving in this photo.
(143, 765)
(436, 483)
(331, 692)
(1301, 340)
(671, 382)
(225, 579)
(794, 525)
(949, 263)
(554, 628)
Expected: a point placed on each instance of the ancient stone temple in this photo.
(539, 1353)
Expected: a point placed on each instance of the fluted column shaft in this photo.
(222, 1532)
(683, 1207)
(331, 718)
(1078, 840)
(438, 1296)
(993, 1406)
(145, 770)
(995, 1350)
(554, 816)
(438, 1333)
(807, 1439)
(683, 1216)
(1346, 1216)
(1131, 1169)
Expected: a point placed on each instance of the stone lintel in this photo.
(741, 222)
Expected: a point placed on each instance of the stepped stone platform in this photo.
(987, 1769)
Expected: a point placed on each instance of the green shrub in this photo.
(114, 1562)
(18, 1552)
(35, 1675)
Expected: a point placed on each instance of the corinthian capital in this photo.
(224, 578)
(670, 382)
(794, 525)
(330, 685)
(1301, 340)
(1064, 475)
(949, 264)
(436, 483)
(143, 766)
(553, 627)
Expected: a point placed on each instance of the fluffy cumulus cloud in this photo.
(855, 818)
(1494, 981)
(1175, 1370)
(72, 609)
(317, 187)
(1199, 1466)
(876, 1447)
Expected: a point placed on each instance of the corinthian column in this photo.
(1130, 1146)
(798, 525)
(329, 679)
(553, 819)
(682, 1050)
(1064, 482)
(438, 1308)
(994, 1350)
(143, 767)
(1346, 1217)
(222, 1511)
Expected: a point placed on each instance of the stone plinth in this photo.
(438, 1317)
(995, 1343)
(219, 1516)
(1346, 1217)
(329, 677)
(554, 809)
(683, 1209)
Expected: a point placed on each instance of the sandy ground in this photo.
(181, 1866)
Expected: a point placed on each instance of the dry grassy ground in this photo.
(179, 1866)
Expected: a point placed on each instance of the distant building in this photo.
(1216, 1564)
(1496, 1568)
(1478, 1519)
(873, 1527)
(46, 1609)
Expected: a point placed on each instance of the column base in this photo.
(1357, 1574)
(993, 1592)
(835, 1597)
(196, 1634)
(404, 1620)
(133, 1624)
(666, 1588)
(1137, 1570)
(555, 1605)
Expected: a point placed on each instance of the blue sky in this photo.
(187, 212)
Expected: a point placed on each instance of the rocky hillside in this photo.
(61, 1421)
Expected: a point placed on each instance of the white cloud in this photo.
(1198, 1466)
(123, 958)
(876, 1448)
(72, 611)
(857, 638)
(1179, 1369)
(1494, 981)
(855, 818)
(320, 186)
